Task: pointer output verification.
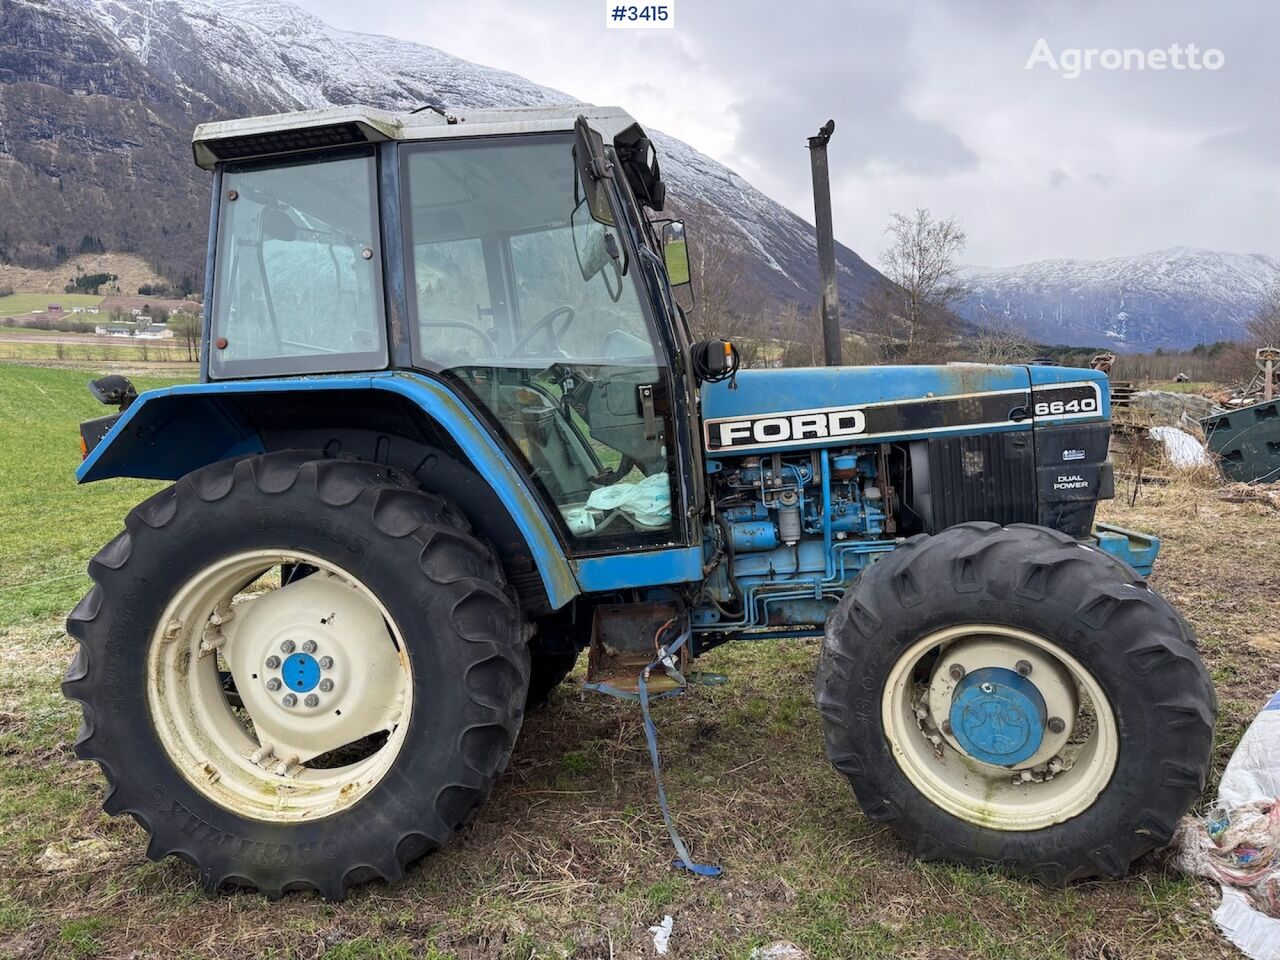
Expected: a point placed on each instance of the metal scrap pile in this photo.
(1238, 433)
(1156, 429)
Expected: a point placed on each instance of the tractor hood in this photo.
(773, 410)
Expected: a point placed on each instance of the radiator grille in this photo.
(984, 476)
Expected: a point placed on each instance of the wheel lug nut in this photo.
(289, 700)
(273, 684)
(273, 662)
(326, 663)
(326, 685)
(956, 672)
(308, 646)
(1057, 725)
(311, 700)
(287, 647)
(1023, 667)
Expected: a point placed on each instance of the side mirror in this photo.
(675, 253)
(593, 168)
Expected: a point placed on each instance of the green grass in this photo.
(104, 350)
(49, 526)
(19, 303)
(1189, 386)
(81, 936)
(36, 331)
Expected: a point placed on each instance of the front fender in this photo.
(167, 433)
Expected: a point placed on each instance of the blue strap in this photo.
(683, 860)
(666, 661)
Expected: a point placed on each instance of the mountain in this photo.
(1171, 298)
(98, 99)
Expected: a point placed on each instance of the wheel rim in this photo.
(322, 686)
(1000, 727)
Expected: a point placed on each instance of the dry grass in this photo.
(569, 858)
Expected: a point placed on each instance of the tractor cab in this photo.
(485, 250)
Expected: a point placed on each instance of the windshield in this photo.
(529, 303)
(298, 285)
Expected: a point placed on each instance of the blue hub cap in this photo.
(997, 716)
(300, 673)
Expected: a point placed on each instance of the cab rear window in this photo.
(298, 279)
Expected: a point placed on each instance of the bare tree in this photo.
(1263, 329)
(998, 340)
(1237, 364)
(186, 327)
(921, 262)
(801, 334)
(717, 277)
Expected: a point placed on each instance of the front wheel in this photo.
(1009, 696)
(297, 672)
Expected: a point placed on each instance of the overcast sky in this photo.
(933, 106)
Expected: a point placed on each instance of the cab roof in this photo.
(281, 133)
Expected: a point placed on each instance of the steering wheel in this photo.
(470, 328)
(547, 323)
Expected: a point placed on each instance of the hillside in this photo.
(1171, 298)
(132, 270)
(98, 99)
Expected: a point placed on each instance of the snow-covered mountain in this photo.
(1171, 298)
(98, 99)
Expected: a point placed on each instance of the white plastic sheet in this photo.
(661, 934)
(1247, 796)
(1182, 448)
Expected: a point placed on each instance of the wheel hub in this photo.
(999, 726)
(301, 673)
(322, 669)
(998, 716)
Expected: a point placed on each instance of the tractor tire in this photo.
(547, 670)
(419, 595)
(966, 624)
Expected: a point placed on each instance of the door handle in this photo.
(646, 409)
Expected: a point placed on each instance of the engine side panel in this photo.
(806, 496)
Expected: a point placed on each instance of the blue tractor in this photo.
(452, 429)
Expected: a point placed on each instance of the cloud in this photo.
(933, 107)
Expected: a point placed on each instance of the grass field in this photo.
(569, 858)
(1188, 386)
(18, 303)
(102, 350)
(37, 332)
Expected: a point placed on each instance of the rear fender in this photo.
(402, 419)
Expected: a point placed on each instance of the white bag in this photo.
(1239, 842)
(646, 504)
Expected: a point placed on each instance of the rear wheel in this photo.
(297, 672)
(1010, 696)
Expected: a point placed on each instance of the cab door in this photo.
(531, 306)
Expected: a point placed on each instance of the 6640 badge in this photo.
(1068, 401)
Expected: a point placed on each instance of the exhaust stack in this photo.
(826, 244)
